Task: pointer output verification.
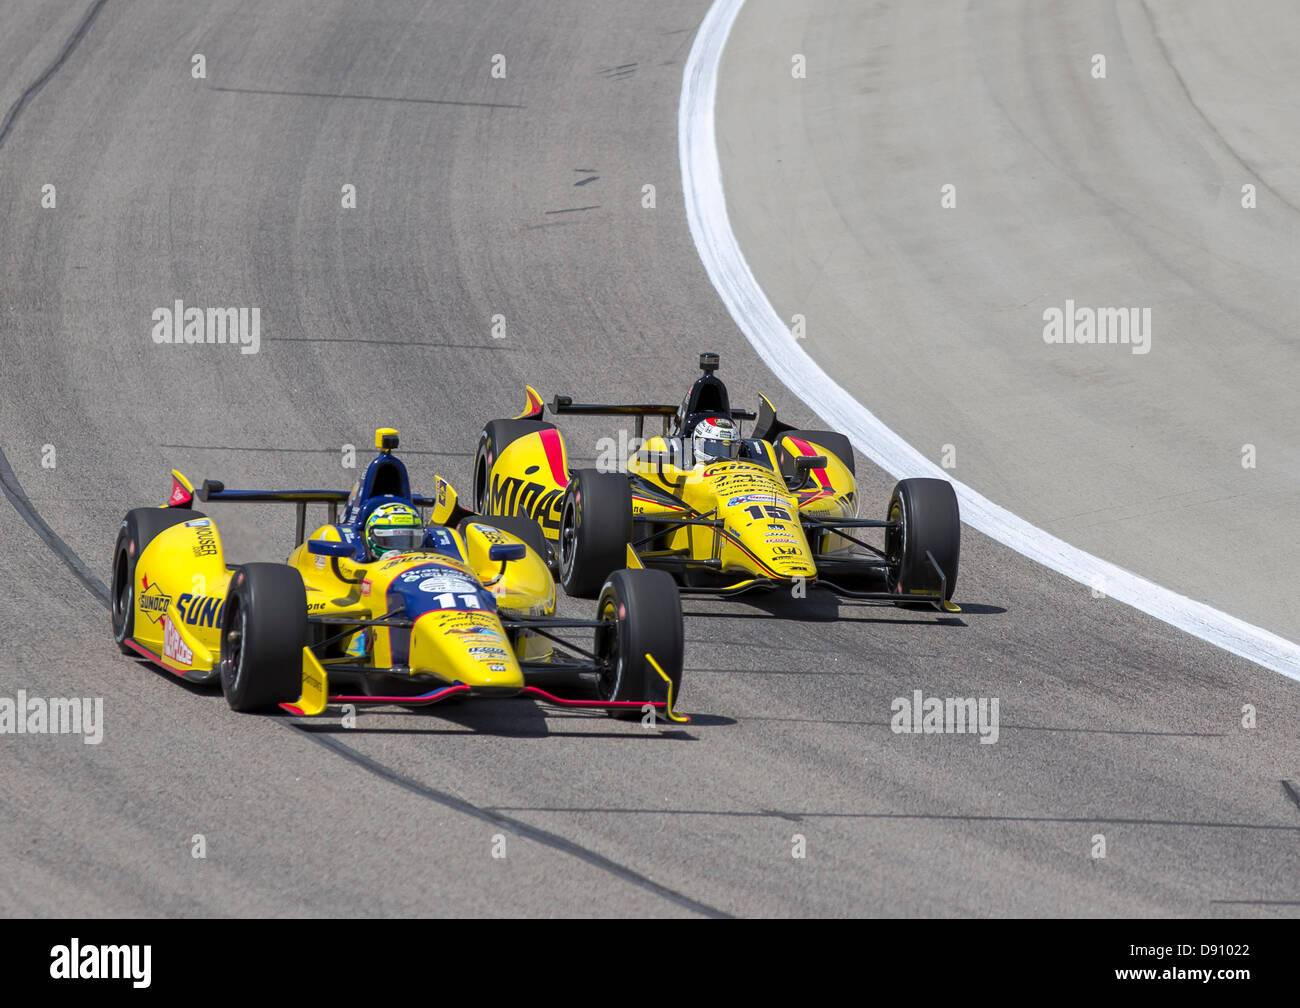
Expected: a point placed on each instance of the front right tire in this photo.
(640, 613)
(929, 522)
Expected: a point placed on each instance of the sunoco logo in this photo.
(153, 603)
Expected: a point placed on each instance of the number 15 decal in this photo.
(777, 513)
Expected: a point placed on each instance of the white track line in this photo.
(706, 210)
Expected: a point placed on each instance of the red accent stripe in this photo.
(554, 449)
(657, 503)
(749, 553)
(806, 449)
(160, 660)
(446, 691)
(600, 704)
(433, 697)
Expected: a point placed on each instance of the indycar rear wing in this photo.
(215, 490)
(565, 404)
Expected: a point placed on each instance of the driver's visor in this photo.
(392, 537)
(711, 448)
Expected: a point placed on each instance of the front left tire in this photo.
(264, 630)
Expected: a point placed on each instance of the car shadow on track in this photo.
(821, 606)
(499, 719)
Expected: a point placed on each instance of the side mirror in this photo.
(803, 465)
(505, 552)
(324, 547)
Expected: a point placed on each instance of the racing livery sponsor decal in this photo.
(418, 568)
(199, 523)
(179, 494)
(446, 583)
(756, 498)
(442, 541)
(359, 645)
(511, 495)
(206, 544)
(153, 603)
(174, 646)
(201, 610)
(480, 631)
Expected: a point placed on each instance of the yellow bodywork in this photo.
(458, 640)
(761, 535)
(179, 595)
(455, 602)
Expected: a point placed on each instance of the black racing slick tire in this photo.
(496, 436)
(640, 613)
(595, 530)
(263, 632)
(929, 522)
(138, 530)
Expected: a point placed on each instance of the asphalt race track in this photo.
(518, 196)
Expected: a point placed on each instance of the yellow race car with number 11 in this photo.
(379, 605)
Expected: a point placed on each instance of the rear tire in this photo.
(642, 613)
(263, 632)
(595, 530)
(139, 528)
(931, 522)
(496, 436)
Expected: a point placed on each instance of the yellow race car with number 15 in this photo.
(722, 512)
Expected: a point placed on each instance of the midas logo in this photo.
(511, 496)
